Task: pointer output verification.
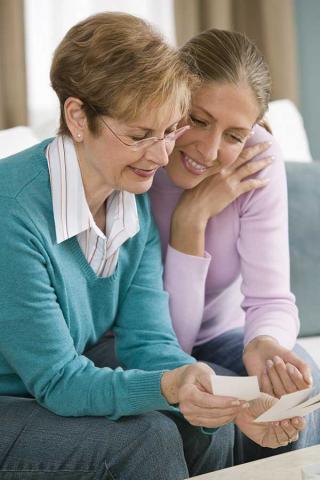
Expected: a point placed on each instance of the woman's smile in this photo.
(192, 166)
(143, 172)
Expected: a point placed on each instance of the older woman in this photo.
(79, 256)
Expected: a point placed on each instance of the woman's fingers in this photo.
(250, 168)
(252, 184)
(285, 378)
(194, 403)
(279, 377)
(189, 409)
(266, 385)
(297, 377)
(250, 152)
(298, 423)
(287, 431)
(208, 400)
(282, 436)
(301, 365)
(291, 431)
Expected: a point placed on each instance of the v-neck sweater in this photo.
(53, 306)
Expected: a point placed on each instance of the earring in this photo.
(79, 135)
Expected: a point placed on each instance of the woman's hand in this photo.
(268, 434)
(279, 370)
(197, 205)
(191, 388)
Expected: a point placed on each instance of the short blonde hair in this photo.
(119, 66)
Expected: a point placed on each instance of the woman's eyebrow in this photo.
(244, 129)
(205, 111)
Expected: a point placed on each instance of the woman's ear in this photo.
(75, 118)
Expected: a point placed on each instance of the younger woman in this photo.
(223, 224)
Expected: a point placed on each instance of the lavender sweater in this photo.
(243, 279)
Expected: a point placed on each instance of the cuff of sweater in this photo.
(181, 263)
(144, 393)
(287, 337)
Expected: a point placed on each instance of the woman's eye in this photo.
(137, 138)
(235, 138)
(196, 122)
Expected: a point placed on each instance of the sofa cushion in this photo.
(304, 239)
(287, 127)
(15, 139)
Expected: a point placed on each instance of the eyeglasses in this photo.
(139, 145)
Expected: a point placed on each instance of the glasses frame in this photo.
(146, 143)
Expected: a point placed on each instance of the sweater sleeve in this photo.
(144, 335)
(184, 279)
(36, 343)
(264, 251)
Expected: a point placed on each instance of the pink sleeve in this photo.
(264, 251)
(184, 279)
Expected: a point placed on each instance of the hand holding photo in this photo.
(296, 404)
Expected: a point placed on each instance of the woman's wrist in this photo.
(256, 342)
(168, 387)
(169, 384)
(188, 236)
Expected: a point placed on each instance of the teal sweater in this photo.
(53, 307)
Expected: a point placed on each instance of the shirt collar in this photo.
(72, 215)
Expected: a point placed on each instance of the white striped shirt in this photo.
(72, 215)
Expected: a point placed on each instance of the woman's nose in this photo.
(209, 148)
(158, 153)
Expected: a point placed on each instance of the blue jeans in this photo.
(36, 444)
(224, 353)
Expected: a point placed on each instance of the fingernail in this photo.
(245, 405)
(291, 369)
(285, 423)
(309, 378)
(276, 359)
(269, 363)
(235, 403)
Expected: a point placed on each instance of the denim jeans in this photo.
(36, 444)
(224, 353)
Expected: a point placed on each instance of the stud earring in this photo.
(79, 135)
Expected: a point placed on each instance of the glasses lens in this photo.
(172, 137)
(169, 140)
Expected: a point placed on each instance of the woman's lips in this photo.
(193, 167)
(144, 173)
